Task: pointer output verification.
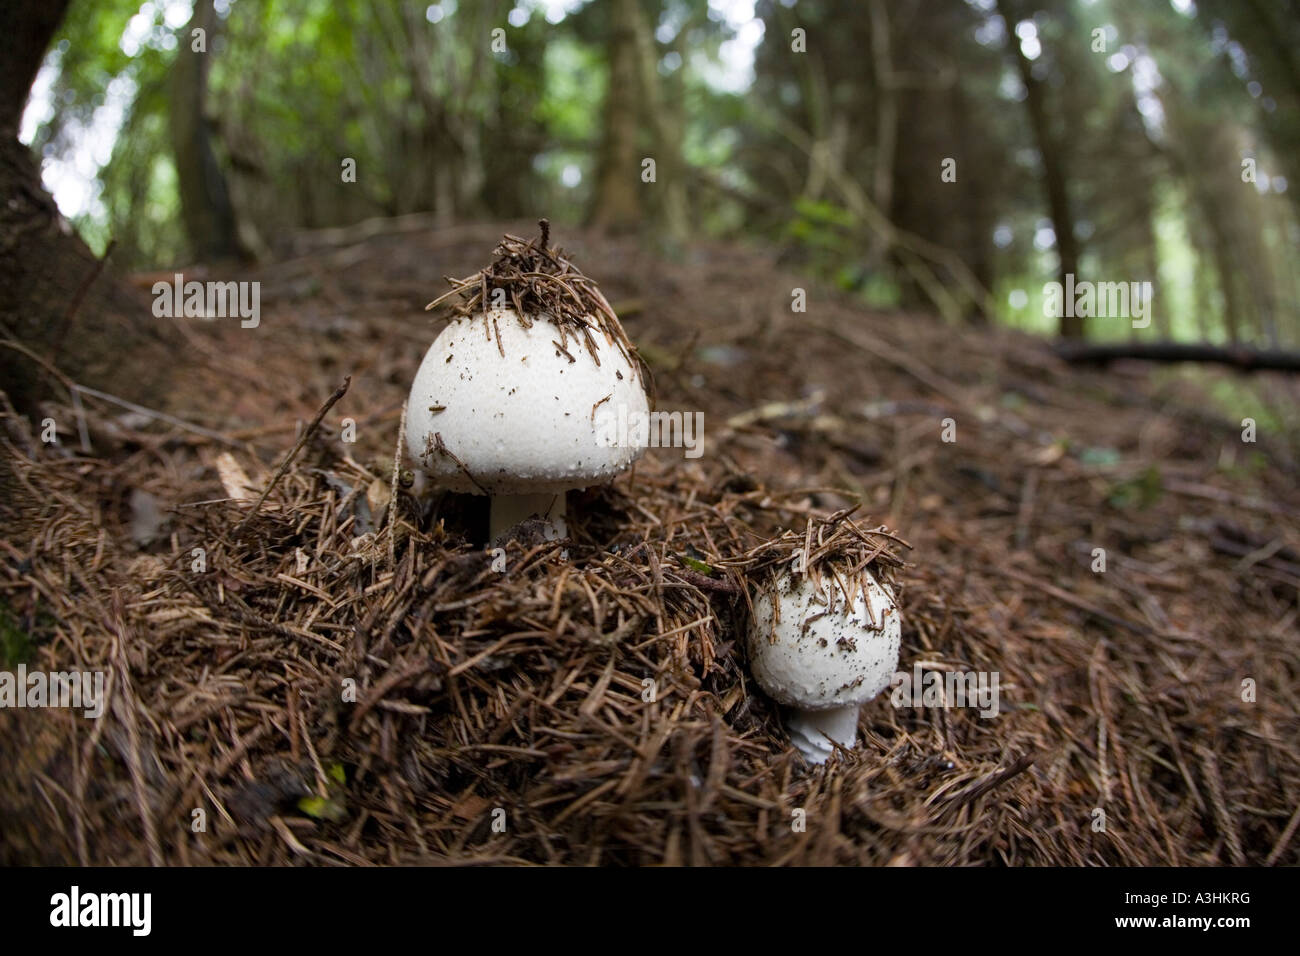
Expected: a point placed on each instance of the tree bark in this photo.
(664, 117)
(55, 307)
(206, 209)
(26, 27)
(1055, 175)
(617, 200)
(886, 145)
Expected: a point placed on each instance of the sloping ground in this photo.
(1147, 714)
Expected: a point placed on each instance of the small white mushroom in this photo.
(814, 652)
(513, 409)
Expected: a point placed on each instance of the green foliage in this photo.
(697, 565)
(830, 244)
(1140, 492)
(1230, 395)
(332, 805)
(16, 645)
(436, 120)
(1099, 457)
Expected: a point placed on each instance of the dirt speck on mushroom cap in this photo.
(812, 656)
(507, 427)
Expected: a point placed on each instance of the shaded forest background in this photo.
(1154, 141)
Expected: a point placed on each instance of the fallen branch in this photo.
(993, 780)
(1239, 357)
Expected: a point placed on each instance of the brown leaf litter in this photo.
(341, 685)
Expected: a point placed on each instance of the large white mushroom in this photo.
(824, 653)
(511, 405)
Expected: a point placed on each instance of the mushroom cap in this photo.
(813, 658)
(529, 421)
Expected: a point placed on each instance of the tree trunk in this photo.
(977, 217)
(886, 90)
(666, 120)
(1055, 176)
(1221, 250)
(26, 27)
(55, 308)
(206, 209)
(617, 201)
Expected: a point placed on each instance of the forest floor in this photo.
(1147, 713)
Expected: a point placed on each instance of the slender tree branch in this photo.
(1244, 359)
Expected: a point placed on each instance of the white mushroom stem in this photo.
(509, 510)
(810, 728)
